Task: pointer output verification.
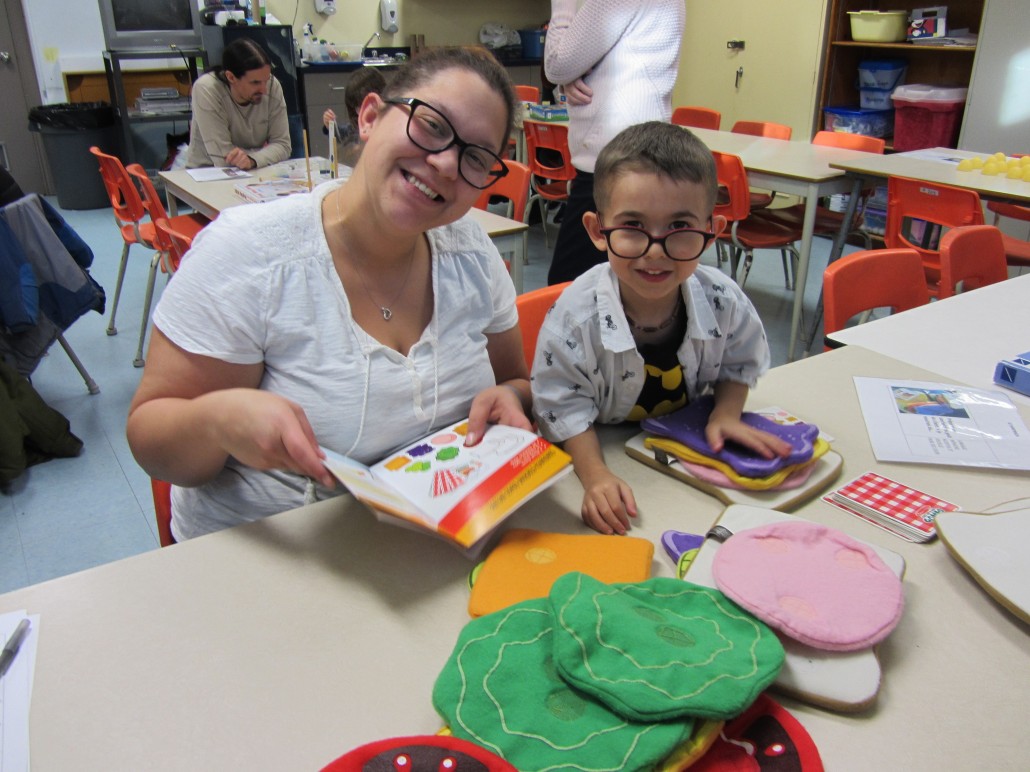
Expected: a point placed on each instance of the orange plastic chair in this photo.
(528, 94)
(175, 244)
(918, 210)
(873, 278)
(188, 224)
(549, 181)
(697, 117)
(746, 233)
(761, 199)
(514, 188)
(533, 307)
(129, 215)
(162, 493)
(828, 222)
(973, 255)
(1017, 251)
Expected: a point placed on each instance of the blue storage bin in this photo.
(532, 43)
(854, 120)
(876, 99)
(885, 74)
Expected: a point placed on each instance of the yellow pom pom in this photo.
(1026, 173)
(978, 162)
(1014, 173)
(1025, 160)
(990, 168)
(999, 156)
(965, 165)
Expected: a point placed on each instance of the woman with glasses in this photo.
(651, 329)
(360, 317)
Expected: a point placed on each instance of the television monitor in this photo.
(150, 25)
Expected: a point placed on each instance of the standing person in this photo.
(617, 62)
(649, 330)
(367, 80)
(360, 317)
(239, 112)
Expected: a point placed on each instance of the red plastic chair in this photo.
(533, 307)
(175, 244)
(745, 232)
(514, 188)
(549, 181)
(973, 256)
(528, 94)
(1017, 251)
(697, 117)
(162, 493)
(828, 222)
(188, 224)
(917, 213)
(761, 199)
(874, 278)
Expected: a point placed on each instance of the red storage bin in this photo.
(927, 116)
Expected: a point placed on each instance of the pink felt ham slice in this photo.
(815, 584)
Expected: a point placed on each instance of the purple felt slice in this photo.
(678, 542)
(687, 426)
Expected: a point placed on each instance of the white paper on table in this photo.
(212, 173)
(15, 694)
(945, 155)
(941, 423)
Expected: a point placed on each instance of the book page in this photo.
(940, 423)
(212, 173)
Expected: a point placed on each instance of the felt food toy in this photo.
(422, 753)
(500, 689)
(660, 649)
(816, 584)
(688, 427)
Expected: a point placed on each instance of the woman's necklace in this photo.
(384, 310)
(664, 325)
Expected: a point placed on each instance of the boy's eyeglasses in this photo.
(429, 130)
(682, 244)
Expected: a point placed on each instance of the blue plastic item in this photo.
(1014, 373)
(853, 120)
(881, 73)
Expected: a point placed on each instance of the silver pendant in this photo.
(387, 313)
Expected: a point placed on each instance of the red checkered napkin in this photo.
(891, 505)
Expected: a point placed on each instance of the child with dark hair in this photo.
(367, 80)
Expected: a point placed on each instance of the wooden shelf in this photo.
(906, 47)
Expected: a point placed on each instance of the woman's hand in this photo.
(501, 404)
(578, 92)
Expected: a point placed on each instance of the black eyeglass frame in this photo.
(412, 102)
(707, 237)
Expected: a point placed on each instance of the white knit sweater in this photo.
(627, 51)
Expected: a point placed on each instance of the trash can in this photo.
(69, 130)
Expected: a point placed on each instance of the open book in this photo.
(460, 494)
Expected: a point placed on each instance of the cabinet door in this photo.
(778, 66)
(322, 90)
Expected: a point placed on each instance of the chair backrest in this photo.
(849, 141)
(533, 307)
(762, 129)
(873, 278)
(733, 200)
(1005, 209)
(514, 186)
(162, 493)
(918, 210)
(156, 209)
(698, 117)
(125, 198)
(973, 255)
(177, 243)
(553, 137)
(528, 93)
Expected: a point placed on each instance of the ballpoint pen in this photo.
(13, 644)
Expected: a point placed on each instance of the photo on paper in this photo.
(942, 402)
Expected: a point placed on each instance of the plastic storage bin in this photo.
(927, 116)
(874, 220)
(879, 26)
(877, 78)
(854, 120)
(532, 43)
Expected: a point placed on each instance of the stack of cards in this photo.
(903, 511)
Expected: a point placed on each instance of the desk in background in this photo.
(284, 643)
(210, 198)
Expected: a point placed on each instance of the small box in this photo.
(878, 26)
(928, 23)
(548, 113)
(927, 116)
(854, 120)
(1014, 373)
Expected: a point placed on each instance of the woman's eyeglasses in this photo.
(682, 244)
(429, 130)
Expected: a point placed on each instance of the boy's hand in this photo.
(608, 503)
(722, 428)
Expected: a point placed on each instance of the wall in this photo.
(443, 22)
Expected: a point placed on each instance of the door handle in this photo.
(740, 74)
(5, 57)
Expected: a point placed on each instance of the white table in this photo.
(210, 198)
(284, 643)
(917, 164)
(962, 337)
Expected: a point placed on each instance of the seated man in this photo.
(239, 113)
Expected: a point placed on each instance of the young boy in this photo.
(367, 80)
(650, 330)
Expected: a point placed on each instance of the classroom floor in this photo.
(68, 515)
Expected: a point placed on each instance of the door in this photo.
(774, 76)
(20, 150)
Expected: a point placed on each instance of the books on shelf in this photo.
(458, 493)
(269, 190)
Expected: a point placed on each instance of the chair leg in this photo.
(91, 385)
(543, 221)
(151, 277)
(111, 329)
(749, 257)
(788, 280)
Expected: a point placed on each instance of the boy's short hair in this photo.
(655, 148)
(367, 80)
